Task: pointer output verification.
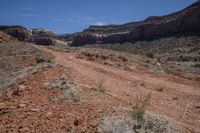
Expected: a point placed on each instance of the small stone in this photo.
(2, 106)
(16, 92)
(76, 122)
(197, 107)
(21, 87)
(49, 113)
(23, 130)
(9, 94)
(22, 105)
(174, 98)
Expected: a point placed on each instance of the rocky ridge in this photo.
(38, 36)
(184, 21)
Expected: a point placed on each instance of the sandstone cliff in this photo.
(184, 21)
(38, 36)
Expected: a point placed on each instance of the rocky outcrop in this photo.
(87, 37)
(38, 36)
(39, 32)
(18, 32)
(43, 37)
(184, 21)
(44, 40)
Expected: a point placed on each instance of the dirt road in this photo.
(179, 99)
(123, 85)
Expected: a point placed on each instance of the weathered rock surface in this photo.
(39, 32)
(44, 40)
(184, 21)
(89, 38)
(38, 36)
(18, 32)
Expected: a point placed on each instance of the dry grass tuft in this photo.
(99, 86)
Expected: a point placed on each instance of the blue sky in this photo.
(68, 16)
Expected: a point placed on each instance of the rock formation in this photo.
(44, 40)
(184, 21)
(18, 32)
(38, 36)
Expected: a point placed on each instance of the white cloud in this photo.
(99, 23)
(28, 9)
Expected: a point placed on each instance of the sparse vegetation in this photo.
(138, 120)
(18, 60)
(196, 65)
(150, 55)
(39, 60)
(99, 86)
(71, 94)
(142, 101)
(150, 123)
(160, 89)
(70, 91)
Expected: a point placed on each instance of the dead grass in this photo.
(150, 123)
(18, 60)
(99, 86)
(71, 95)
(70, 91)
(141, 104)
(137, 120)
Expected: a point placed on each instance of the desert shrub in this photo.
(150, 123)
(150, 55)
(70, 91)
(39, 59)
(142, 101)
(138, 120)
(123, 58)
(72, 94)
(142, 83)
(116, 125)
(196, 65)
(160, 89)
(99, 86)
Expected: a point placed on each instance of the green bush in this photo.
(150, 55)
(196, 65)
(142, 101)
(40, 60)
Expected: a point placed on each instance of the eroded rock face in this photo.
(185, 21)
(44, 40)
(87, 37)
(18, 32)
(38, 36)
(39, 32)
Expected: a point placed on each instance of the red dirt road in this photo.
(121, 88)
